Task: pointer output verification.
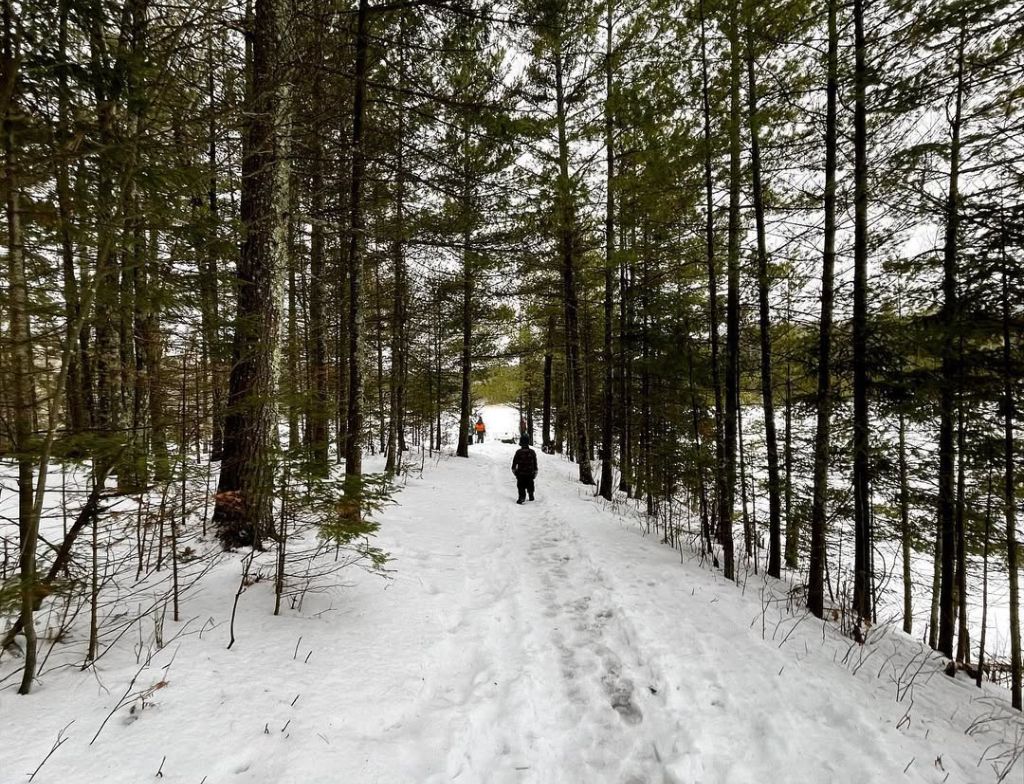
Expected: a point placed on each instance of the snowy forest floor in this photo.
(550, 642)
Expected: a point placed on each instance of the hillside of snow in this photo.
(550, 642)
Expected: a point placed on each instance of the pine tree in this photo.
(243, 513)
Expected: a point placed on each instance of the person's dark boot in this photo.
(519, 501)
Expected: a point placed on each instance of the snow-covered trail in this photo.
(550, 642)
(574, 650)
(533, 673)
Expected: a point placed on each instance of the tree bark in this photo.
(1010, 497)
(208, 276)
(21, 355)
(963, 641)
(318, 398)
(702, 493)
(713, 319)
(816, 578)
(466, 360)
(150, 352)
(357, 241)
(607, 396)
(243, 509)
(546, 413)
(792, 522)
(904, 504)
(627, 340)
(986, 542)
(78, 403)
(396, 440)
(863, 579)
(570, 301)
(767, 391)
(732, 316)
(291, 381)
(107, 91)
(947, 393)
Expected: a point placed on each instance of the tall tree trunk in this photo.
(438, 371)
(78, 401)
(130, 382)
(466, 361)
(627, 341)
(132, 405)
(792, 521)
(292, 386)
(466, 354)
(570, 301)
(587, 351)
(153, 349)
(767, 391)
(863, 579)
(933, 615)
(243, 509)
(732, 316)
(816, 578)
(702, 493)
(396, 426)
(950, 373)
(208, 278)
(986, 543)
(1010, 497)
(646, 473)
(357, 241)
(137, 334)
(21, 351)
(709, 239)
(342, 287)
(963, 640)
(318, 397)
(607, 396)
(404, 340)
(904, 504)
(378, 340)
(396, 441)
(548, 361)
(749, 534)
(106, 92)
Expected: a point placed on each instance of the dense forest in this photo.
(756, 268)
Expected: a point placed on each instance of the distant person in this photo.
(524, 466)
(524, 432)
(480, 429)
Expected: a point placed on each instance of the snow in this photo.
(550, 642)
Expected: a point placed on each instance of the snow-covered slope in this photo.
(550, 642)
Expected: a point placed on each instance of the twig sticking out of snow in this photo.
(61, 740)
(125, 698)
(241, 589)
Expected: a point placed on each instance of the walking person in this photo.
(524, 466)
(480, 429)
(524, 432)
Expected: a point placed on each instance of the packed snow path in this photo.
(549, 642)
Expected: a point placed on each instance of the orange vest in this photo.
(479, 427)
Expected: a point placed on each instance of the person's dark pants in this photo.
(525, 486)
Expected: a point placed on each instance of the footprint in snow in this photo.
(622, 703)
(620, 692)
